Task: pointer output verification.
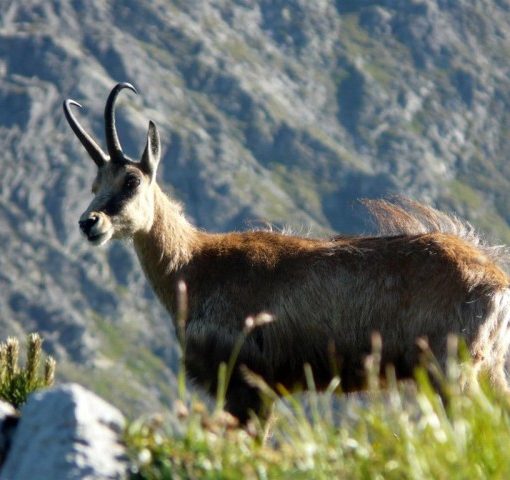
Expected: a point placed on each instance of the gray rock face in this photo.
(8, 424)
(67, 433)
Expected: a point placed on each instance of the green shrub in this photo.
(16, 382)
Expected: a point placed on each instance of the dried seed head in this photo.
(34, 351)
(182, 309)
(199, 408)
(259, 320)
(249, 324)
(181, 410)
(256, 381)
(3, 361)
(49, 371)
(423, 344)
(225, 420)
(34, 341)
(452, 343)
(376, 342)
(181, 287)
(12, 355)
(263, 318)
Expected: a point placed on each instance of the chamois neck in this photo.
(169, 243)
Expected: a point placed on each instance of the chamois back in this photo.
(403, 216)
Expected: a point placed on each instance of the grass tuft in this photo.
(402, 431)
(17, 383)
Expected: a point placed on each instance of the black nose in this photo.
(87, 224)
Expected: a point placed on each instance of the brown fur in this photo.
(427, 275)
(326, 295)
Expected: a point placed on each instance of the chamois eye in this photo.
(132, 182)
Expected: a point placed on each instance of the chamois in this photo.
(425, 275)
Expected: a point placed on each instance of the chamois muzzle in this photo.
(87, 224)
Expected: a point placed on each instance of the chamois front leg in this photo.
(206, 348)
(242, 400)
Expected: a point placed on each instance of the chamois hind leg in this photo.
(498, 343)
(498, 378)
(496, 370)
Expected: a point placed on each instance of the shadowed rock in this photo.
(67, 433)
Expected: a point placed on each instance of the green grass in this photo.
(355, 39)
(299, 185)
(462, 196)
(125, 369)
(18, 382)
(466, 194)
(397, 433)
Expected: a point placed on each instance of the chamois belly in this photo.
(329, 327)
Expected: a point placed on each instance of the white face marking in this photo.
(123, 204)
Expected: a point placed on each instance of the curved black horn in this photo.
(112, 139)
(93, 149)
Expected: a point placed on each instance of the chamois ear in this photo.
(152, 153)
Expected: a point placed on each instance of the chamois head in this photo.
(123, 190)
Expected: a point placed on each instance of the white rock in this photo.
(67, 433)
(6, 409)
(8, 422)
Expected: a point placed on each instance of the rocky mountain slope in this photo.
(284, 111)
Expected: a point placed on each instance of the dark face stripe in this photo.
(117, 202)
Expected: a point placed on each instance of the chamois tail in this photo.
(403, 216)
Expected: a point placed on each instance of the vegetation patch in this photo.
(125, 371)
(18, 382)
(299, 185)
(401, 432)
(463, 197)
(465, 194)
